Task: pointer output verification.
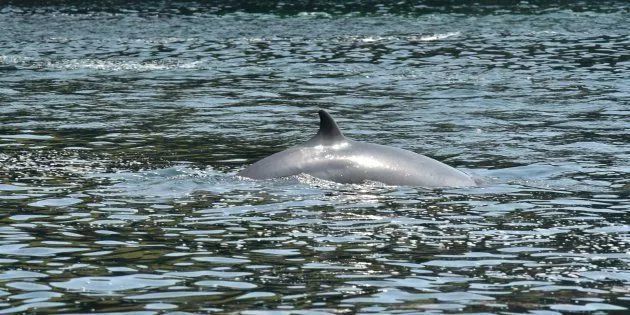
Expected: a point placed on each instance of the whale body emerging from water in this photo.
(329, 155)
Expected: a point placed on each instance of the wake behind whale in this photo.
(329, 155)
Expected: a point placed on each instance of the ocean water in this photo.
(122, 127)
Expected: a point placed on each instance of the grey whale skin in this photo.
(331, 156)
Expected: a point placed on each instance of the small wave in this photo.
(315, 15)
(100, 65)
(169, 183)
(411, 38)
(434, 37)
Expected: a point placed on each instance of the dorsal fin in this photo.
(328, 130)
(327, 126)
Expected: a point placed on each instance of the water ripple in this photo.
(122, 129)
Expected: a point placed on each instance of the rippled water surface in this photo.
(121, 129)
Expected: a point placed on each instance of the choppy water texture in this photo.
(122, 129)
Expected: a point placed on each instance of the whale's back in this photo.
(360, 162)
(331, 156)
(357, 162)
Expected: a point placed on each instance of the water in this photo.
(121, 129)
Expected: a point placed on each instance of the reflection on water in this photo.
(121, 132)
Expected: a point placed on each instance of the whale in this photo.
(331, 156)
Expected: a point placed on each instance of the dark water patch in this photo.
(319, 9)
